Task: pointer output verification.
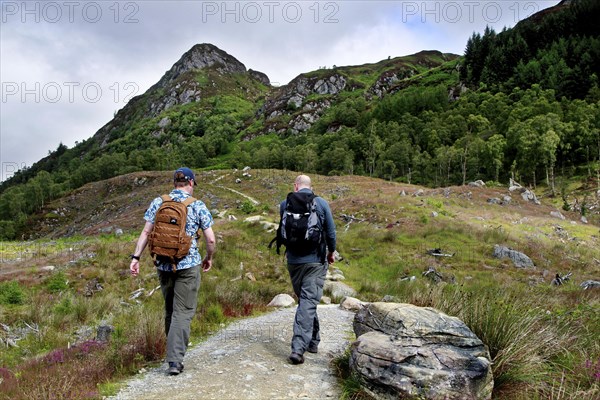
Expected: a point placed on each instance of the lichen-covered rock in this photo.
(403, 350)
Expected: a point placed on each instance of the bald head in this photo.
(302, 182)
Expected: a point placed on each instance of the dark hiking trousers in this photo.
(180, 291)
(307, 280)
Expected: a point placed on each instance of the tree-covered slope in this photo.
(557, 48)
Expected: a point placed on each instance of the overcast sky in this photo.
(67, 66)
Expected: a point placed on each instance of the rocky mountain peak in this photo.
(201, 56)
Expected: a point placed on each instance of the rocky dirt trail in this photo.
(251, 199)
(248, 360)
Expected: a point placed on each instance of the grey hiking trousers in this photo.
(180, 291)
(307, 280)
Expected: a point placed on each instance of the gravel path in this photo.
(248, 360)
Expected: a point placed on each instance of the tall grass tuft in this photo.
(352, 385)
(527, 345)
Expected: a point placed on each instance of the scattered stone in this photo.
(352, 304)
(338, 290)
(478, 183)
(103, 332)
(545, 273)
(246, 169)
(254, 218)
(282, 300)
(140, 181)
(519, 259)
(238, 180)
(118, 232)
(557, 214)
(269, 226)
(434, 214)
(388, 298)
(250, 276)
(106, 229)
(494, 200)
(528, 195)
(232, 217)
(48, 268)
(419, 193)
(337, 277)
(403, 193)
(325, 300)
(407, 351)
(83, 333)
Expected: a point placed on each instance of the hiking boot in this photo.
(296, 358)
(313, 349)
(175, 368)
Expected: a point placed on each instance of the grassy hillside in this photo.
(544, 339)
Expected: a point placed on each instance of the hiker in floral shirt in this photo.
(179, 279)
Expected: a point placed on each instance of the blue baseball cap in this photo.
(187, 173)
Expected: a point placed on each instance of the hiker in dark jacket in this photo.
(307, 272)
(179, 281)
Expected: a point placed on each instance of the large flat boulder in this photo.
(403, 351)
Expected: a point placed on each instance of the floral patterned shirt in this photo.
(198, 217)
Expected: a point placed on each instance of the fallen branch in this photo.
(36, 329)
(438, 253)
(136, 294)
(559, 280)
(152, 291)
(349, 218)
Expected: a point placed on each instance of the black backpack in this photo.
(300, 229)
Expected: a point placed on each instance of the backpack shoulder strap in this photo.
(165, 197)
(188, 201)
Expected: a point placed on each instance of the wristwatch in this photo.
(134, 257)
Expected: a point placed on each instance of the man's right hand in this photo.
(134, 267)
(330, 258)
(206, 264)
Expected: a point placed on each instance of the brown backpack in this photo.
(168, 240)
